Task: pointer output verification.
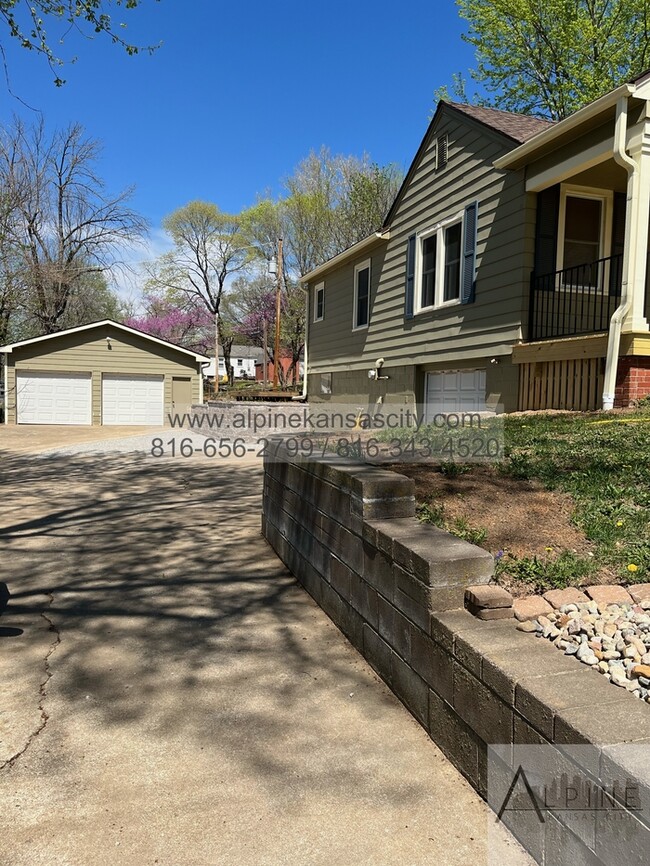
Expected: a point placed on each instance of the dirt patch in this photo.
(519, 517)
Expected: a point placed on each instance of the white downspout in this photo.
(305, 289)
(616, 323)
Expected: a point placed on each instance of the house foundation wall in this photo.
(405, 385)
(632, 380)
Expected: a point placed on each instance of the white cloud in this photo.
(127, 277)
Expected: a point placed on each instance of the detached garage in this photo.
(103, 373)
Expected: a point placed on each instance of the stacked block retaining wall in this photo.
(395, 588)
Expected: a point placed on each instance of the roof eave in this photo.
(341, 258)
(11, 346)
(521, 154)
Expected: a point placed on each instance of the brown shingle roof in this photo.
(519, 127)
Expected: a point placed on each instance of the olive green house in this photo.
(102, 373)
(510, 271)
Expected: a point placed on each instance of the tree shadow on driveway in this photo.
(178, 625)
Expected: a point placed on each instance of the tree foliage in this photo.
(28, 21)
(209, 248)
(184, 321)
(59, 227)
(551, 57)
(253, 303)
(333, 202)
(330, 203)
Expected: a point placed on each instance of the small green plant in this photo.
(541, 574)
(462, 529)
(453, 470)
(433, 513)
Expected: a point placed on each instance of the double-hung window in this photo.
(438, 270)
(584, 236)
(319, 302)
(361, 315)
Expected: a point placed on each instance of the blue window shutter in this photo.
(410, 277)
(469, 254)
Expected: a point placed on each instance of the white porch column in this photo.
(637, 235)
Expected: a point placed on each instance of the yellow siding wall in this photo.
(87, 351)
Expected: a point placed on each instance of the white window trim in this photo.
(319, 287)
(437, 229)
(357, 268)
(606, 196)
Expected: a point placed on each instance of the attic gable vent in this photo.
(442, 148)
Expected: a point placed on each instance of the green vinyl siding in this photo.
(87, 351)
(504, 258)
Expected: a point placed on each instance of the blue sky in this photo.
(239, 93)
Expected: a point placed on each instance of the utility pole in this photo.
(216, 352)
(278, 308)
(266, 354)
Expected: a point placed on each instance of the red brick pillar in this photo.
(632, 380)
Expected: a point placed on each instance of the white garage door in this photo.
(455, 391)
(130, 399)
(53, 398)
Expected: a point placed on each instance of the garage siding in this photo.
(87, 351)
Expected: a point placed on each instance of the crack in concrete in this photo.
(42, 688)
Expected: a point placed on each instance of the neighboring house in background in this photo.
(242, 360)
(503, 260)
(285, 364)
(102, 373)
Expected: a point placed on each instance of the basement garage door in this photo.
(455, 391)
(53, 398)
(128, 399)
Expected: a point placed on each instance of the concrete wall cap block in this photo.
(382, 533)
(383, 508)
(443, 598)
(446, 626)
(488, 614)
(540, 698)
(488, 596)
(503, 670)
(438, 558)
(381, 484)
(471, 645)
(623, 721)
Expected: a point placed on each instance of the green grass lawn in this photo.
(603, 462)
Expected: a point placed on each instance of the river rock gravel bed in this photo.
(614, 639)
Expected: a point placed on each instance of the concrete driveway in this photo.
(169, 695)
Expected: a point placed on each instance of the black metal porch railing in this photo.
(578, 300)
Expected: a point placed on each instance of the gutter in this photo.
(351, 252)
(616, 323)
(303, 396)
(510, 160)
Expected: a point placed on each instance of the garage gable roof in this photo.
(11, 346)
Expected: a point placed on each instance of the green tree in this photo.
(551, 57)
(209, 247)
(331, 202)
(28, 22)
